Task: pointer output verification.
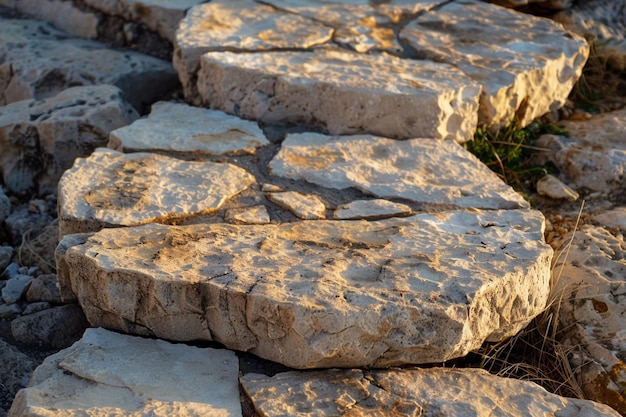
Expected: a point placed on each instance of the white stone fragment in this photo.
(312, 294)
(303, 206)
(114, 189)
(442, 392)
(371, 210)
(420, 170)
(247, 215)
(108, 374)
(177, 127)
(343, 92)
(614, 219)
(551, 186)
(526, 65)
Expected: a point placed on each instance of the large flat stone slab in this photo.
(108, 374)
(420, 170)
(39, 61)
(526, 65)
(40, 139)
(310, 294)
(343, 92)
(444, 392)
(111, 189)
(179, 128)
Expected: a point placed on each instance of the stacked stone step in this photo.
(312, 250)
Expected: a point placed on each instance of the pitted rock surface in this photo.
(40, 139)
(177, 127)
(523, 77)
(420, 289)
(371, 210)
(442, 392)
(114, 189)
(419, 170)
(343, 92)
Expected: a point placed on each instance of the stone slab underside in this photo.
(312, 294)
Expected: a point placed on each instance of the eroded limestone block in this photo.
(526, 65)
(311, 294)
(40, 139)
(177, 127)
(343, 92)
(303, 206)
(111, 189)
(445, 392)
(106, 373)
(39, 61)
(420, 170)
(371, 210)
(591, 282)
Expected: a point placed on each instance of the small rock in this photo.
(6, 254)
(15, 367)
(56, 327)
(248, 215)
(371, 210)
(15, 288)
(551, 186)
(39, 251)
(22, 224)
(9, 311)
(11, 271)
(5, 206)
(306, 207)
(614, 219)
(44, 288)
(33, 308)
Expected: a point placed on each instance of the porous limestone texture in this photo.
(551, 186)
(108, 374)
(310, 294)
(526, 65)
(39, 61)
(247, 215)
(420, 170)
(306, 207)
(113, 189)
(342, 92)
(177, 127)
(40, 139)
(371, 210)
(161, 16)
(442, 392)
(591, 282)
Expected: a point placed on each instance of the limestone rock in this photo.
(176, 127)
(420, 170)
(114, 189)
(238, 25)
(526, 65)
(9, 311)
(371, 210)
(114, 375)
(310, 294)
(44, 288)
(591, 281)
(552, 187)
(5, 202)
(39, 61)
(6, 254)
(248, 215)
(548, 4)
(444, 392)
(15, 367)
(342, 92)
(41, 139)
(55, 328)
(15, 288)
(306, 207)
(24, 223)
(615, 218)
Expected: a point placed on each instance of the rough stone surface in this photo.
(420, 289)
(114, 375)
(591, 279)
(552, 187)
(15, 367)
(176, 127)
(57, 327)
(44, 288)
(248, 215)
(114, 189)
(527, 66)
(39, 61)
(41, 139)
(342, 92)
(5, 206)
(409, 392)
(371, 210)
(614, 219)
(548, 4)
(306, 207)
(420, 170)
(6, 253)
(23, 221)
(15, 288)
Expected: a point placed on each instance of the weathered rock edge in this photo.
(320, 293)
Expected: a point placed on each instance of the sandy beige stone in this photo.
(111, 189)
(248, 215)
(312, 294)
(371, 210)
(177, 127)
(303, 206)
(343, 92)
(420, 170)
(551, 186)
(526, 65)
(614, 218)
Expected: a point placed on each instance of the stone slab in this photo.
(39, 61)
(108, 374)
(442, 392)
(526, 65)
(40, 139)
(371, 210)
(113, 189)
(178, 127)
(420, 170)
(343, 92)
(303, 206)
(312, 294)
